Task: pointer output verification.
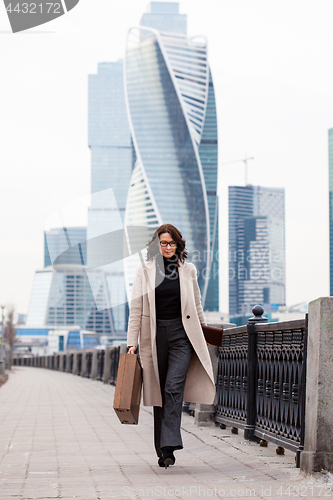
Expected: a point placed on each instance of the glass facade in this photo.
(111, 167)
(67, 297)
(172, 109)
(165, 17)
(208, 151)
(57, 338)
(39, 299)
(32, 332)
(330, 166)
(74, 340)
(257, 248)
(58, 240)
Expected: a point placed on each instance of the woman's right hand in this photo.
(132, 349)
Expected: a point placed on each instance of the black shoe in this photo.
(168, 456)
(161, 462)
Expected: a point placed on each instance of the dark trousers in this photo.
(174, 352)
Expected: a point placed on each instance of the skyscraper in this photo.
(111, 168)
(77, 290)
(330, 167)
(109, 140)
(64, 296)
(172, 111)
(165, 17)
(257, 248)
(57, 241)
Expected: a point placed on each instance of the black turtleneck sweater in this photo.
(167, 289)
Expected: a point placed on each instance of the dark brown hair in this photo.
(153, 244)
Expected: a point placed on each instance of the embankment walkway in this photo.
(60, 438)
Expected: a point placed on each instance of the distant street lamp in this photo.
(2, 331)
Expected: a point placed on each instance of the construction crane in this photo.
(245, 160)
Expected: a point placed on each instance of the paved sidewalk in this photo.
(60, 438)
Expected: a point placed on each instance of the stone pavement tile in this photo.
(105, 488)
(114, 485)
(188, 460)
(116, 496)
(103, 475)
(120, 493)
(77, 469)
(111, 468)
(32, 481)
(10, 493)
(67, 475)
(140, 468)
(72, 465)
(38, 470)
(84, 479)
(154, 477)
(126, 461)
(101, 462)
(89, 494)
(38, 495)
(11, 486)
(42, 492)
(8, 469)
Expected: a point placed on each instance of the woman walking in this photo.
(166, 317)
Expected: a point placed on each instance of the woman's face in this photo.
(167, 251)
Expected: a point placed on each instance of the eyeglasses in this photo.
(173, 244)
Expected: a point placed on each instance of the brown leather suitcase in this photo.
(127, 394)
(213, 335)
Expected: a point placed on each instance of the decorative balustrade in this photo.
(91, 364)
(261, 381)
(281, 351)
(232, 378)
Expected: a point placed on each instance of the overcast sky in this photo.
(272, 67)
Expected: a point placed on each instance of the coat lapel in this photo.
(151, 275)
(183, 282)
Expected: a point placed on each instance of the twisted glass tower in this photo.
(171, 107)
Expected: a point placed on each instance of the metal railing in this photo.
(232, 378)
(261, 381)
(79, 363)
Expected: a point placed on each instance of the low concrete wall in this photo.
(107, 365)
(68, 362)
(318, 443)
(76, 363)
(2, 367)
(62, 362)
(84, 368)
(94, 365)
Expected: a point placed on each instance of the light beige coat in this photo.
(199, 386)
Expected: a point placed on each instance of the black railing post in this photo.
(252, 364)
(303, 395)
